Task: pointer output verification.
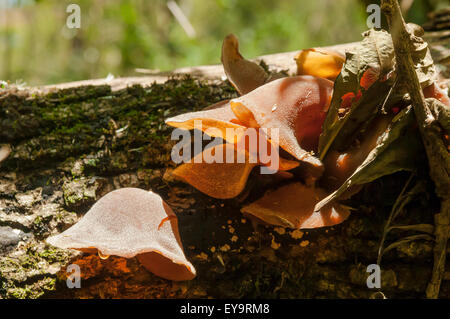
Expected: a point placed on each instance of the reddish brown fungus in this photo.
(219, 179)
(296, 106)
(340, 165)
(293, 205)
(5, 150)
(128, 222)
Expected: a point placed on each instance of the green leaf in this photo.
(374, 52)
(399, 148)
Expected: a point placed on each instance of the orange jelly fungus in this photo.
(128, 222)
(340, 166)
(219, 180)
(293, 205)
(215, 119)
(296, 106)
(321, 63)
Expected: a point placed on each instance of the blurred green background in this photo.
(36, 47)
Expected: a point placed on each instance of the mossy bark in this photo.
(72, 146)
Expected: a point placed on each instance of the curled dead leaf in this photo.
(398, 148)
(359, 92)
(243, 74)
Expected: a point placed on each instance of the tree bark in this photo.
(71, 146)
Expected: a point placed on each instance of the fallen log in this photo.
(73, 143)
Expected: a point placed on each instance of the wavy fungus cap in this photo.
(296, 107)
(215, 119)
(243, 74)
(131, 222)
(292, 206)
(217, 179)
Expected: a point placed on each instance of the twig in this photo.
(431, 137)
(181, 18)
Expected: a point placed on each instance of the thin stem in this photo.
(391, 217)
(431, 134)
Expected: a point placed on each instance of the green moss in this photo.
(33, 291)
(73, 122)
(74, 139)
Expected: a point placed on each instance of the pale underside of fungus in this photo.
(131, 222)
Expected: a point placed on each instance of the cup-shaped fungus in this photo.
(220, 171)
(292, 206)
(131, 222)
(296, 107)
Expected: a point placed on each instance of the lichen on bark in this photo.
(72, 146)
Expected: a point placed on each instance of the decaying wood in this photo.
(277, 62)
(75, 142)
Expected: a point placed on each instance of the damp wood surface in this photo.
(72, 144)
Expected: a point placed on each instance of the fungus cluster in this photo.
(289, 115)
(294, 108)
